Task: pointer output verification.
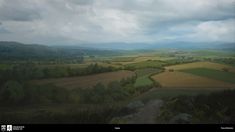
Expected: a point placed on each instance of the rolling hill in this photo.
(17, 51)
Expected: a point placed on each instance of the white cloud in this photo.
(222, 31)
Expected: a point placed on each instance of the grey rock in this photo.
(135, 105)
(182, 118)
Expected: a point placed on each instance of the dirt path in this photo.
(147, 114)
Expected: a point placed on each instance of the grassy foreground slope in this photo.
(214, 108)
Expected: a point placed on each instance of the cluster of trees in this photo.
(159, 64)
(180, 61)
(29, 71)
(214, 108)
(103, 94)
(145, 64)
(15, 92)
(230, 61)
(14, 87)
(114, 92)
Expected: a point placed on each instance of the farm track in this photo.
(145, 114)
(148, 113)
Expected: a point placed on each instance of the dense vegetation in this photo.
(146, 64)
(216, 108)
(157, 63)
(230, 61)
(86, 104)
(28, 71)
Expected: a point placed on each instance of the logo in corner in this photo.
(3, 128)
(9, 128)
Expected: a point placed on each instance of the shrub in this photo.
(12, 92)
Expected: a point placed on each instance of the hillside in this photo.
(18, 51)
(15, 50)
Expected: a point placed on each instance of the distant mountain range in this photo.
(165, 45)
(15, 50)
(191, 45)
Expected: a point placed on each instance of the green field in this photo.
(143, 77)
(146, 71)
(147, 64)
(211, 53)
(143, 81)
(123, 59)
(211, 73)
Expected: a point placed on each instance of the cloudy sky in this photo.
(117, 21)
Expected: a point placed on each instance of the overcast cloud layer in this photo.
(114, 21)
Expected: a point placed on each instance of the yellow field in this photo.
(209, 65)
(184, 80)
(87, 81)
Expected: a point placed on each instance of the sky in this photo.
(97, 22)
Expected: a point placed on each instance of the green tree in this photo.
(12, 92)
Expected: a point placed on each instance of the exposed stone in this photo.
(182, 118)
(135, 105)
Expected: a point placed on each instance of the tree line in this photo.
(30, 71)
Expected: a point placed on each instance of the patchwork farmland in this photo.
(122, 88)
(87, 81)
(197, 75)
